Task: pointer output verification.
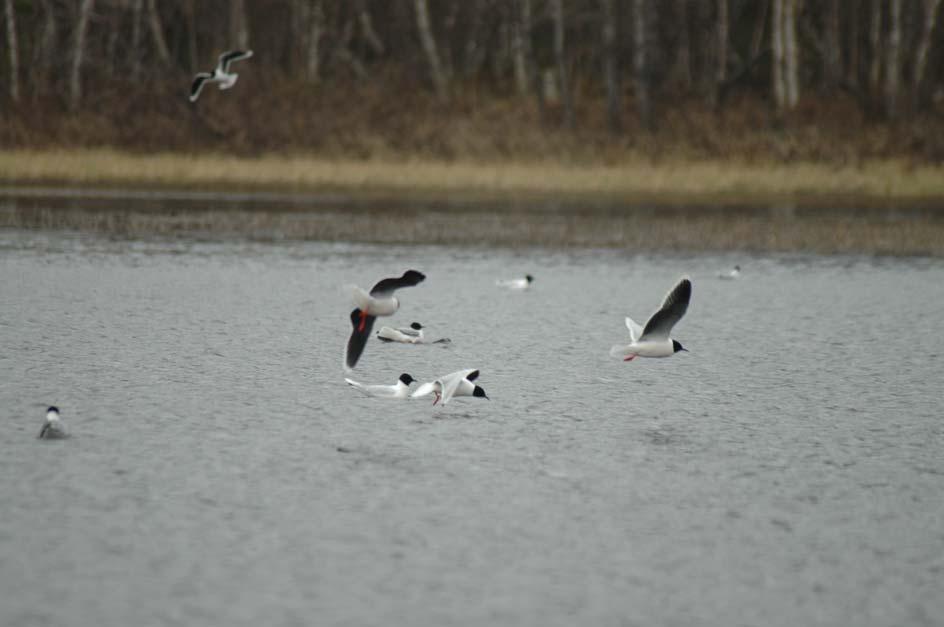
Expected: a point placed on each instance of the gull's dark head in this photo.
(53, 408)
(678, 347)
(737, 268)
(416, 326)
(406, 379)
(478, 392)
(529, 277)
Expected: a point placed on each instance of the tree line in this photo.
(635, 54)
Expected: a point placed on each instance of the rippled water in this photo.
(787, 471)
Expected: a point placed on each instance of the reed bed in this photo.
(679, 181)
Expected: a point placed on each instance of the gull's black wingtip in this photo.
(413, 277)
(361, 325)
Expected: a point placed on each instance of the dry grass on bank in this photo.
(633, 179)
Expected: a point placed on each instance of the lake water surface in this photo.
(787, 471)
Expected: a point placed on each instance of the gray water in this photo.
(787, 471)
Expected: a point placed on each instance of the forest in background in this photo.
(574, 80)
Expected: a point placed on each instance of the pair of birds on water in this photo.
(649, 340)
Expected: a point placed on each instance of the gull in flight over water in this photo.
(220, 73)
(380, 301)
(448, 386)
(653, 339)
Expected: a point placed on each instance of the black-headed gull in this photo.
(414, 334)
(53, 428)
(454, 384)
(516, 284)
(380, 301)
(220, 73)
(731, 274)
(653, 340)
(400, 389)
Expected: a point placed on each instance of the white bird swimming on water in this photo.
(380, 301)
(454, 384)
(400, 389)
(53, 429)
(220, 73)
(408, 335)
(730, 274)
(522, 283)
(653, 340)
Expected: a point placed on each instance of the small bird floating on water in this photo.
(653, 340)
(522, 283)
(408, 335)
(53, 429)
(380, 301)
(220, 73)
(731, 274)
(400, 389)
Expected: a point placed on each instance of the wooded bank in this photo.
(834, 80)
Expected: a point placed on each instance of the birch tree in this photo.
(78, 54)
(238, 25)
(563, 79)
(611, 67)
(14, 51)
(641, 63)
(428, 42)
(786, 80)
(521, 44)
(929, 20)
(157, 32)
(893, 59)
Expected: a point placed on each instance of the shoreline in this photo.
(632, 182)
(479, 204)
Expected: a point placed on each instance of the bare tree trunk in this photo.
(474, 50)
(791, 50)
(893, 60)
(832, 59)
(683, 56)
(190, 13)
(722, 70)
(921, 55)
(367, 26)
(238, 24)
(136, 6)
(314, 28)
(641, 63)
(875, 45)
(611, 68)
(14, 52)
(777, 43)
(521, 29)
(157, 32)
(46, 50)
(78, 53)
(757, 37)
(557, 10)
(852, 66)
(440, 82)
